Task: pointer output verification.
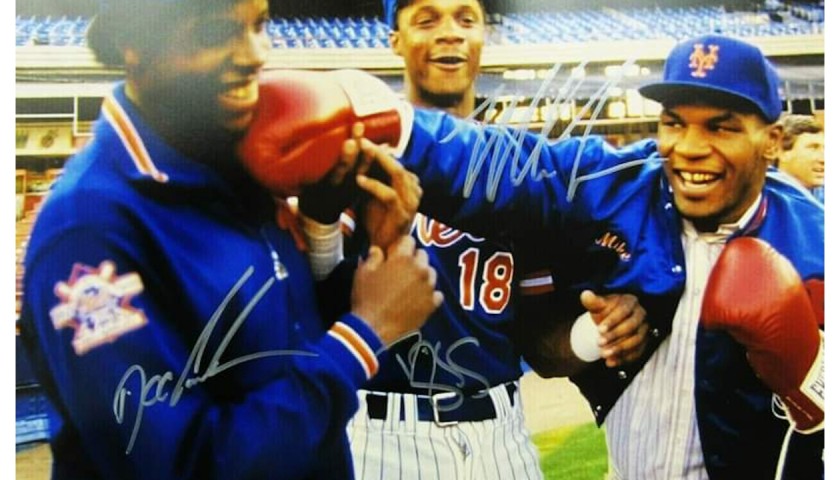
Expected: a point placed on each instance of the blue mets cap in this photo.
(720, 65)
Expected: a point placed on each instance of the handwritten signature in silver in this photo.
(158, 388)
(446, 363)
(503, 146)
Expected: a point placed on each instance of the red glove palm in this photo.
(757, 296)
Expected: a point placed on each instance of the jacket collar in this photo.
(150, 158)
(747, 225)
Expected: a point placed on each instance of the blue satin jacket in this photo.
(604, 219)
(174, 326)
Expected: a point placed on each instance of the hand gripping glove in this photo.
(303, 118)
(756, 295)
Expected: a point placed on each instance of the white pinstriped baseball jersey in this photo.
(652, 430)
(463, 350)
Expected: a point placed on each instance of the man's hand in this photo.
(556, 344)
(390, 210)
(621, 324)
(325, 200)
(394, 292)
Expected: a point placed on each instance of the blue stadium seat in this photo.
(515, 28)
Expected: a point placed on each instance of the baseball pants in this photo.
(404, 436)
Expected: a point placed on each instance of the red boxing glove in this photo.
(816, 290)
(303, 118)
(757, 296)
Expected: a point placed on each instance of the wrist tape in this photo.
(326, 246)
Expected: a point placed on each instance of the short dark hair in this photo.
(139, 23)
(795, 125)
(397, 5)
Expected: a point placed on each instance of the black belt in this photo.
(439, 408)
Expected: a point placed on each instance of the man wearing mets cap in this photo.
(734, 388)
(455, 387)
(410, 409)
(747, 344)
(424, 403)
(725, 257)
(172, 323)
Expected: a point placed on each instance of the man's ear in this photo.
(396, 45)
(773, 144)
(131, 58)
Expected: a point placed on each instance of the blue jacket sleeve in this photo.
(132, 405)
(489, 179)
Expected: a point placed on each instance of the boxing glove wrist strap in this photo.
(406, 112)
(326, 246)
(812, 389)
(369, 95)
(584, 338)
(814, 384)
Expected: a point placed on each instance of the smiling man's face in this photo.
(208, 72)
(441, 42)
(716, 161)
(806, 159)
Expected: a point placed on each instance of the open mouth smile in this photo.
(449, 62)
(697, 182)
(240, 96)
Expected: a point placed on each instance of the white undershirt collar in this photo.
(725, 230)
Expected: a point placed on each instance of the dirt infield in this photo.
(552, 403)
(563, 429)
(33, 462)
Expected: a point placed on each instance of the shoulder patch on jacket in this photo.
(95, 303)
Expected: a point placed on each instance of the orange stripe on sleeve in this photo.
(357, 346)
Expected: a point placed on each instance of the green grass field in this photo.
(573, 453)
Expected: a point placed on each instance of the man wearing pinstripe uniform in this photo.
(446, 403)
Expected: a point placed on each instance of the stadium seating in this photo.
(574, 26)
(62, 31)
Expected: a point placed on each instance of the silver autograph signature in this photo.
(158, 388)
(502, 148)
(446, 363)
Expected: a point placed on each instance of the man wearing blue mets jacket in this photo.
(726, 259)
(171, 322)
